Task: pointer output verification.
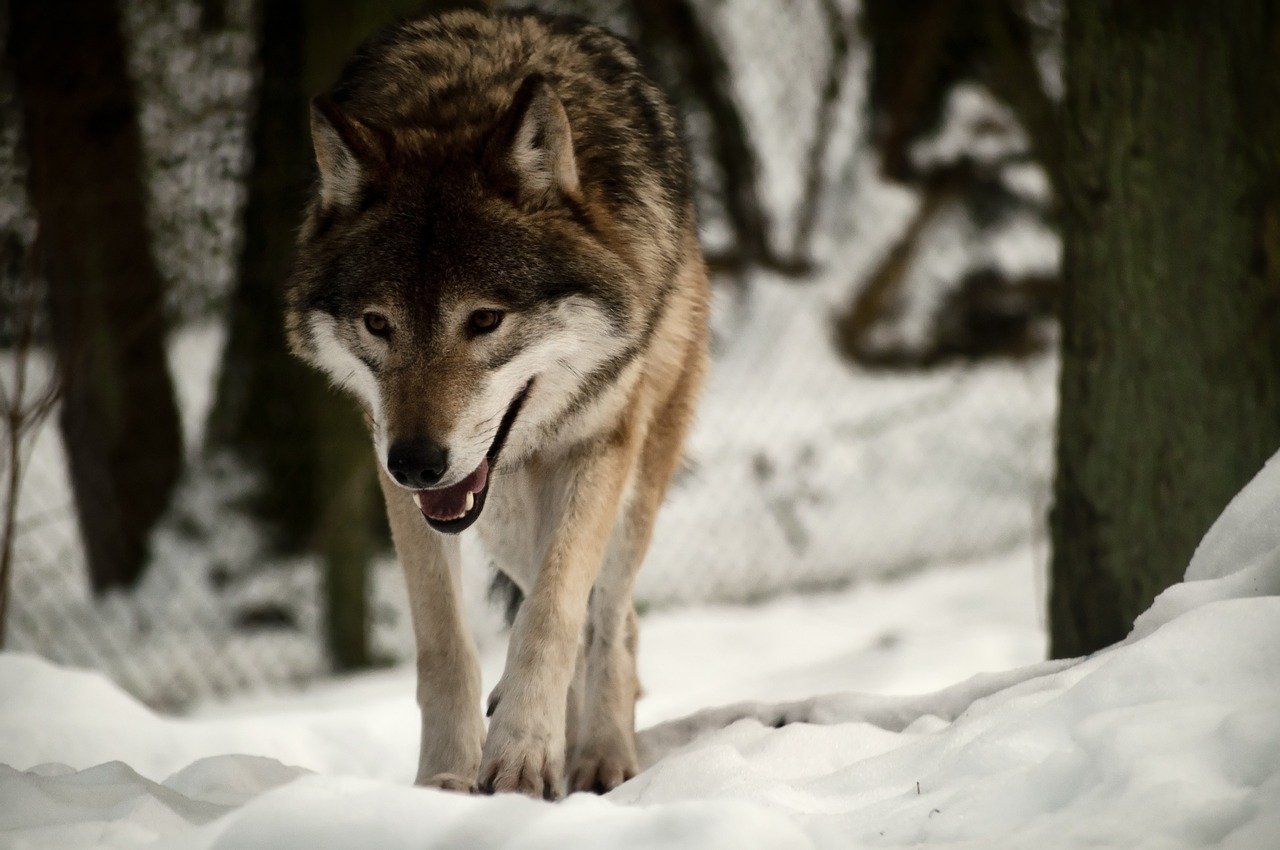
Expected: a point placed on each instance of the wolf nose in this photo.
(417, 463)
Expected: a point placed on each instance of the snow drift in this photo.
(1170, 738)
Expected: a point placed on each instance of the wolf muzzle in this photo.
(452, 509)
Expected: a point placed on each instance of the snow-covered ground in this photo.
(1169, 739)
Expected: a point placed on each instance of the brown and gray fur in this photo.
(520, 163)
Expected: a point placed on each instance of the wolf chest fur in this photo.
(500, 264)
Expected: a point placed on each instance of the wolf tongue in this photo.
(451, 502)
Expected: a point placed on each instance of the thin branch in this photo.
(841, 27)
(22, 418)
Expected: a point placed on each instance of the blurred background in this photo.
(879, 187)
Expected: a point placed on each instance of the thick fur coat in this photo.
(500, 263)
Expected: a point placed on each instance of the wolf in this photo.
(500, 262)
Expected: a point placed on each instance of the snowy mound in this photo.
(1169, 739)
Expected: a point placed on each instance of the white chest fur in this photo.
(512, 527)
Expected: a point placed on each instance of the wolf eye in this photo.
(377, 324)
(484, 321)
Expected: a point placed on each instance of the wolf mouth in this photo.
(453, 509)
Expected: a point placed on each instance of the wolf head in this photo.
(462, 294)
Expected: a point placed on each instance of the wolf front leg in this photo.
(605, 753)
(448, 670)
(525, 749)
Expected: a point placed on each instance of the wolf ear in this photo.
(348, 154)
(532, 149)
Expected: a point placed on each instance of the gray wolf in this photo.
(500, 263)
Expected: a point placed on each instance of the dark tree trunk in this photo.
(119, 420)
(280, 418)
(1171, 318)
(261, 411)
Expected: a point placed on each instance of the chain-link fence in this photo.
(805, 469)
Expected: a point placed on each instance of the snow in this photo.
(982, 614)
(976, 127)
(1169, 742)
(1170, 738)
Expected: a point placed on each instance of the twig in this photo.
(22, 418)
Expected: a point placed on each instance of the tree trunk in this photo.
(1171, 319)
(261, 412)
(350, 505)
(119, 421)
(279, 417)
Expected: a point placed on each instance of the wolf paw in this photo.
(599, 772)
(523, 762)
(449, 782)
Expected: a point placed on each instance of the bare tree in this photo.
(118, 417)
